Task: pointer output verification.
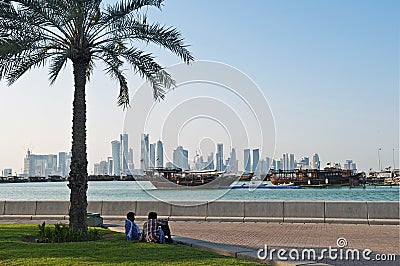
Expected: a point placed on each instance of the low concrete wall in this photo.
(383, 212)
(233, 211)
(52, 207)
(263, 211)
(57, 210)
(163, 209)
(304, 211)
(192, 210)
(26, 208)
(230, 211)
(117, 209)
(2, 205)
(95, 206)
(346, 212)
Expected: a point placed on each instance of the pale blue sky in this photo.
(329, 69)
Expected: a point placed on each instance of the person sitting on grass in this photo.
(132, 231)
(156, 230)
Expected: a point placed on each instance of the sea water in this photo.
(130, 190)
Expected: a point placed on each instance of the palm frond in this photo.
(123, 97)
(44, 13)
(12, 51)
(23, 44)
(114, 68)
(124, 7)
(169, 38)
(33, 32)
(132, 29)
(89, 70)
(20, 67)
(116, 12)
(59, 62)
(21, 22)
(144, 64)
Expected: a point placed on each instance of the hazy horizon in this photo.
(328, 69)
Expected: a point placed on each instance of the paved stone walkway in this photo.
(379, 239)
(382, 239)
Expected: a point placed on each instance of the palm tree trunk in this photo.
(78, 175)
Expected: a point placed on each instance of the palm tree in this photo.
(34, 33)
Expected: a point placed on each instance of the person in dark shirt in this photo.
(156, 230)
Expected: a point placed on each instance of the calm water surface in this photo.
(128, 190)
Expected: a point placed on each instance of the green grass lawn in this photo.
(112, 250)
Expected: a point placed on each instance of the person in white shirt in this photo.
(132, 231)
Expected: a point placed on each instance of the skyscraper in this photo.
(51, 165)
(144, 152)
(263, 167)
(68, 163)
(186, 159)
(103, 168)
(100, 168)
(233, 162)
(116, 155)
(7, 172)
(124, 153)
(305, 163)
(129, 158)
(353, 167)
(285, 162)
(292, 163)
(273, 165)
(62, 163)
(247, 161)
(40, 165)
(278, 165)
(210, 162)
(220, 157)
(160, 154)
(180, 158)
(315, 164)
(27, 166)
(199, 163)
(268, 163)
(152, 155)
(350, 165)
(110, 166)
(256, 159)
(347, 164)
(96, 167)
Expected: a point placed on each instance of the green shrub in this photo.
(62, 233)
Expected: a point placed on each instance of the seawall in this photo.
(344, 212)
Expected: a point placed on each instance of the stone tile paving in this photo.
(379, 239)
(383, 239)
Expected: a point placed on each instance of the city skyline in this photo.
(332, 86)
(50, 164)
